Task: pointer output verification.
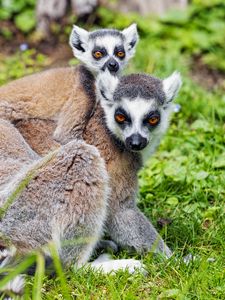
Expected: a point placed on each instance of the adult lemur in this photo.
(98, 148)
(66, 196)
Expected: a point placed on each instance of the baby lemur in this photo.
(98, 145)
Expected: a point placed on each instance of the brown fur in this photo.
(41, 95)
(38, 134)
(40, 103)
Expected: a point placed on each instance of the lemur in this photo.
(94, 180)
(125, 126)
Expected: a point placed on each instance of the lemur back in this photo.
(35, 104)
(39, 95)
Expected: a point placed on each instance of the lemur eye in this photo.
(120, 118)
(120, 54)
(153, 120)
(98, 54)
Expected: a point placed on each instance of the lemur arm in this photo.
(78, 109)
(131, 229)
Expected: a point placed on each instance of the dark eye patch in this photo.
(119, 49)
(99, 49)
(150, 115)
(121, 111)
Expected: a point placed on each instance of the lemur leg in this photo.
(131, 229)
(65, 201)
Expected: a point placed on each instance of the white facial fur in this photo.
(171, 85)
(130, 36)
(137, 109)
(83, 44)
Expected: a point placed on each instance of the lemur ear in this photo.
(131, 37)
(106, 85)
(171, 86)
(78, 40)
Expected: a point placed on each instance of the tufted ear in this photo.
(131, 38)
(78, 40)
(171, 86)
(106, 85)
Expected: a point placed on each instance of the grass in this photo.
(184, 182)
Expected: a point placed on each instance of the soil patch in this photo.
(206, 77)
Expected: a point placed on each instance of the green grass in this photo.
(184, 181)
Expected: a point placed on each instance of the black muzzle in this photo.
(112, 65)
(136, 142)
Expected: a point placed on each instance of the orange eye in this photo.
(120, 54)
(153, 120)
(98, 54)
(120, 118)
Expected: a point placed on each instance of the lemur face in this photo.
(105, 48)
(137, 107)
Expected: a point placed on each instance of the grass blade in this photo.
(20, 268)
(39, 277)
(59, 271)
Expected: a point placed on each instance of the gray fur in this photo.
(103, 32)
(54, 205)
(133, 231)
(139, 85)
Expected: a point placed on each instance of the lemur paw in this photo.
(107, 265)
(14, 286)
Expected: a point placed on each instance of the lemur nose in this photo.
(113, 65)
(136, 142)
